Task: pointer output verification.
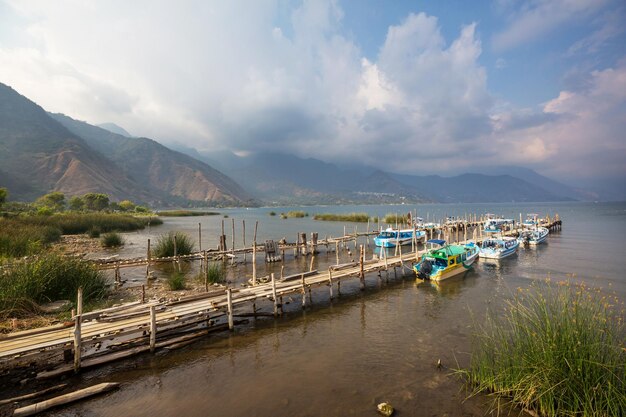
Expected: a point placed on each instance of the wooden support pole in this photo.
(303, 292)
(77, 342)
(256, 225)
(274, 294)
(79, 301)
(233, 241)
(200, 237)
(243, 222)
(337, 252)
(361, 271)
(229, 301)
(152, 328)
(330, 282)
(143, 294)
(149, 254)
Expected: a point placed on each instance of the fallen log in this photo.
(64, 399)
(33, 395)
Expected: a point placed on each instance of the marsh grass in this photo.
(112, 240)
(393, 218)
(348, 217)
(165, 245)
(294, 214)
(185, 213)
(50, 277)
(215, 273)
(176, 281)
(557, 350)
(75, 223)
(18, 239)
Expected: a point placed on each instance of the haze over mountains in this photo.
(42, 152)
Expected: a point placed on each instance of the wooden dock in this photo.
(98, 337)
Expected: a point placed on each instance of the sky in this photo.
(418, 87)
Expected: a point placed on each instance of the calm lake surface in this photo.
(341, 358)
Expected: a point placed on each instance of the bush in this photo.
(556, 350)
(215, 273)
(94, 232)
(112, 240)
(165, 245)
(176, 281)
(272, 213)
(47, 278)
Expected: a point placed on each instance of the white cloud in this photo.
(537, 18)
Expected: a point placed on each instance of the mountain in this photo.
(158, 168)
(113, 128)
(38, 155)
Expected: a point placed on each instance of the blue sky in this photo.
(434, 86)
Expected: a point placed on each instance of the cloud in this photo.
(232, 75)
(532, 20)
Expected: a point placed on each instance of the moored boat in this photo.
(498, 248)
(534, 237)
(495, 225)
(443, 261)
(390, 238)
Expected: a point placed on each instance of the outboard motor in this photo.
(426, 267)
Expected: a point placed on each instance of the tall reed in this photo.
(347, 217)
(18, 239)
(557, 349)
(49, 277)
(165, 244)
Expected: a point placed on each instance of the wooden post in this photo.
(143, 294)
(149, 254)
(337, 251)
(303, 292)
(233, 247)
(229, 301)
(312, 260)
(152, 328)
(361, 272)
(79, 302)
(282, 271)
(200, 237)
(274, 294)
(244, 241)
(256, 225)
(330, 281)
(77, 342)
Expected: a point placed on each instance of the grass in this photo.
(393, 218)
(112, 240)
(294, 214)
(557, 349)
(75, 223)
(215, 273)
(348, 217)
(50, 277)
(272, 213)
(185, 213)
(94, 232)
(176, 281)
(18, 239)
(165, 245)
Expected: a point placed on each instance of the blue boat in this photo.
(498, 248)
(443, 261)
(391, 238)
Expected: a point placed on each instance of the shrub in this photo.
(176, 281)
(112, 240)
(272, 213)
(165, 245)
(94, 232)
(47, 278)
(556, 350)
(215, 273)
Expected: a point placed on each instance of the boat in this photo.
(498, 248)
(534, 236)
(531, 220)
(443, 261)
(494, 225)
(390, 238)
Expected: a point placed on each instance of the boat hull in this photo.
(508, 246)
(471, 253)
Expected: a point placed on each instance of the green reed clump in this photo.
(215, 273)
(18, 239)
(94, 232)
(393, 218)
(112, 240)
(294, 214)
(165, 245)
(26, 283)
(75, 223)
(272, 213)
(347, 217)
(557, 350)
(185, 213)
(176, 281)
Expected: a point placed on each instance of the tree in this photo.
(96, 201)
(127, 205)
(76, 203)
(55, 200)
(4, 194)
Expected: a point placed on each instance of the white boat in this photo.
(496, 225)
(534, 236)
(390, 238)
(498, 248)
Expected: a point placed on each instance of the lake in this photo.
(341, 358)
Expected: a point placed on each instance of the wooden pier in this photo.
(98, 337)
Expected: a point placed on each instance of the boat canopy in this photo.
(437, 242)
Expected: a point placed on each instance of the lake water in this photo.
(341, 358)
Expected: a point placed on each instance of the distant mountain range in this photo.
(42, 152)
